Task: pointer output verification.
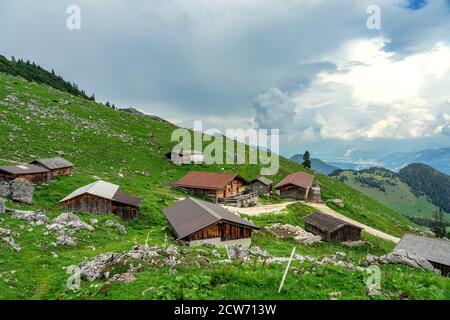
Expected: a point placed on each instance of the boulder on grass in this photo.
(22, 191)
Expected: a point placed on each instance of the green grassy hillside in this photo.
(391, 191)
(37, 120)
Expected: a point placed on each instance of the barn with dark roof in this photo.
(102, 197)
(56, 166)
(331, 228)
(30, 172)
(261, 185)
(196, 222)
(296, 186)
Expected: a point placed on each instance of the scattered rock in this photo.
(120, 228)
(70, 220)
(65, 226)
(8, 237)
(33, 218)
(123, 277)
(286, 230)
(66, 240)
(334, 295)
(93, 221)
(247, 253)
(408, 258)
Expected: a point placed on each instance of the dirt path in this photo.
(277, 208)
(258, 210)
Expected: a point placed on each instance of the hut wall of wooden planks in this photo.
(224, 231)
(32, 177)
(88, 203)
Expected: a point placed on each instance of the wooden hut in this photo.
(101, 198)
(185, 157)
(30, 172)
(213, 185)
(296, 186)
(331, 228)
(261, 185)
(435, 251)
(56, 166)
(197, 222)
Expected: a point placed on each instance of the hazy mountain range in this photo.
(436, 158)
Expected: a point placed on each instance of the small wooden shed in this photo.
(296, 186)
(197, 222)
(101, 198)
(30, 172)
(213, 185)
(435, 251)
(261, 185)
(56, 166)
(331, 228)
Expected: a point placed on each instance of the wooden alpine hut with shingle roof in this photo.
(213, 185)
(261, 185)
(56, 166)
(28, 172)
(101, 198)
(196, 222)
(296, 186)
(331, 228)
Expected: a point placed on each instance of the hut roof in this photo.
(23, 169)
(53, 163)
(299, 179)
(105, 190)
(433, 250)
(206, 180)
(191, 215)
(263, 180)
(326, 222)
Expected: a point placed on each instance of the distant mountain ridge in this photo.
(439, 159)
(317, 164)
(416, 191)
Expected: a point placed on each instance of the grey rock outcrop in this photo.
(5, 189)
(34, 218)
(22, 191)
(65, 226)
(120, 228)
(408, 258)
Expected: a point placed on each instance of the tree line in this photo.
(33, 72)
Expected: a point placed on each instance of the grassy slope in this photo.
(102, 142)
(397, 197)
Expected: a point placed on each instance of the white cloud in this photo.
(274, 109)
(377, 94)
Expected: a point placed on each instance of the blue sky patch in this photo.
(416, 4)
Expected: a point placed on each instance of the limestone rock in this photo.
(408, 258)
(120, 228)
(22, 191)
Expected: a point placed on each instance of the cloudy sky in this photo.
(311, 68)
